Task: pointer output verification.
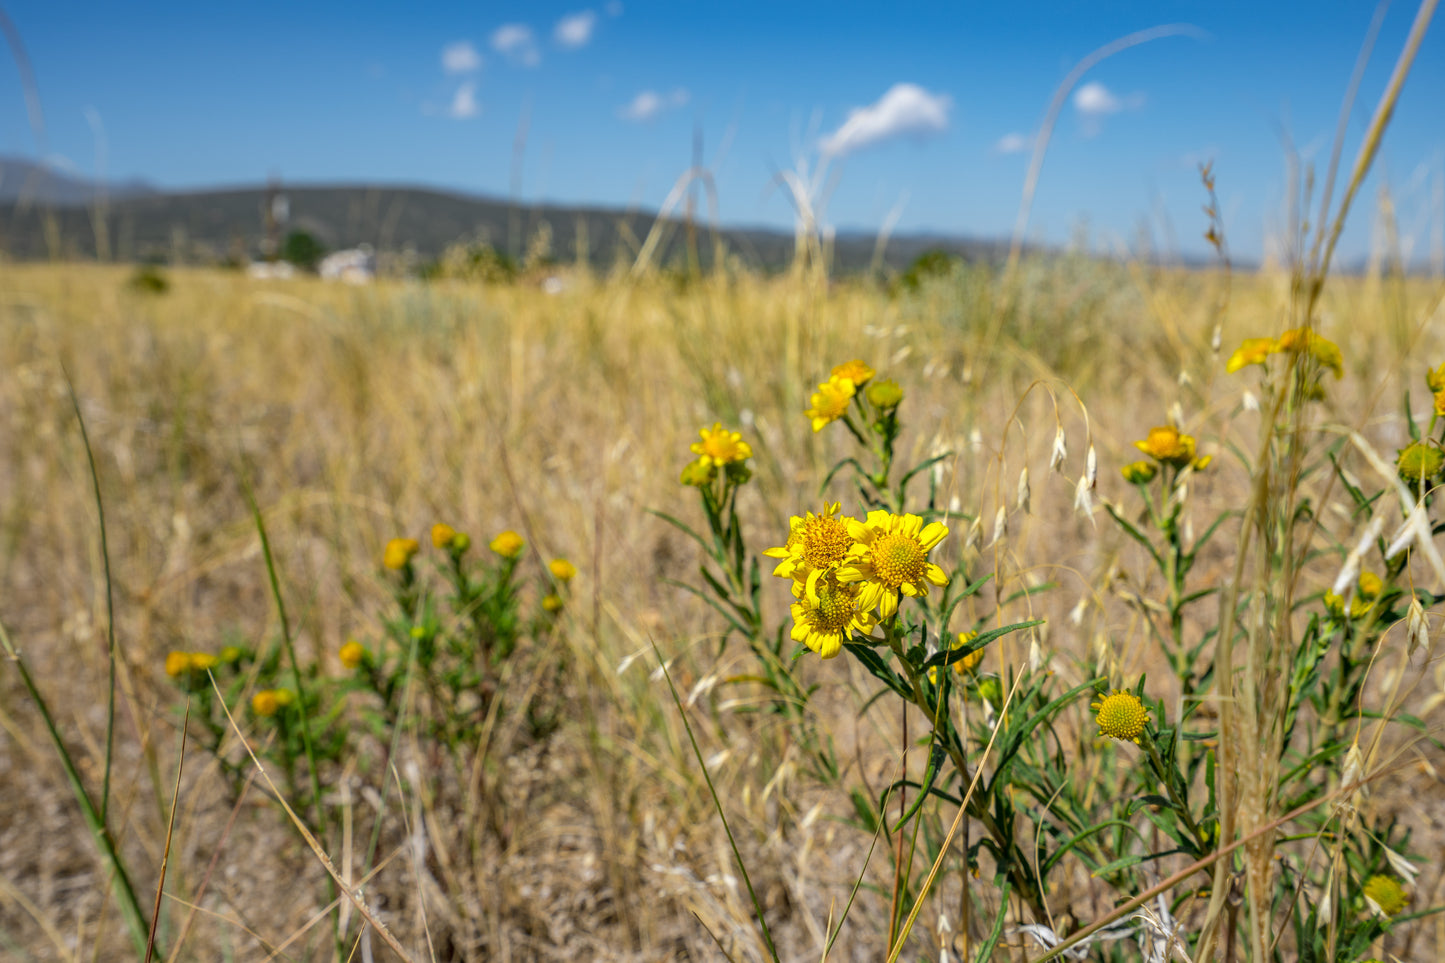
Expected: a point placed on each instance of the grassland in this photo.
(361, 414)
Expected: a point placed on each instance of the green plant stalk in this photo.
(130, 906)
(109, 599)
(301, 698)
(977, 807)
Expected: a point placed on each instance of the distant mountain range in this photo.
(45, 214)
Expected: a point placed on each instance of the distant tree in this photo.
(149, 279)
(928, 265)
(302, 250)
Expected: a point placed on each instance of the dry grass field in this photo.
(355, 415)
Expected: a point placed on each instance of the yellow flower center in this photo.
(1387, 894)
(825, 540)
(835, 609)
(1122, 716)
(898, 559)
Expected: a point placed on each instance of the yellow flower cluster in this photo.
(179, 663)
(719, 448)
(399, 552)
(1166, 445)
(509, 544)
(1367, 589)
(268, 702)
(847, 574)
(1293, 341)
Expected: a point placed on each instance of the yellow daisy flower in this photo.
(885, 394)
(1436, 379)
(855, 371)
(1120, 715)
(1139, 472)
(552, 603)
(442, 534)
(1440, 402)
(562, 570)
(399, 552)
(177, 663)
(201, 661)
(720, 447)
(830, 402)
(891, 556)
(1325, 351)
(964, 665)
(829, 614)
(1252, 351)
(814, 542)
(266, 702)
(1387, 894)
(1419, 462)
(508, 544)
(1165, 444)
(353, 654)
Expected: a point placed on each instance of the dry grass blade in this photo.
(170, 829)
(310, 839)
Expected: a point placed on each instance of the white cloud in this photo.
(575, 29)
(515, 42)
(464, 102)
(1094, 99)
(461, 58)
(1094, 102)
(648, 104)
(905, 110)
(1013, 143)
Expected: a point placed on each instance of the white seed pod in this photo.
(1000, 526)
(1216, 339)
(1249, 402)
(1076, 614)
(1025, 502)
(975, 533)
(1417, 632)
(1176, 414)
(1091, 467)
(1402, 866)
(1083, 497)
(1060, 452)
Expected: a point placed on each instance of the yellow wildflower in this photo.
(1139, 472)
(1436, 379)
(508, 544)
(562, 570)
(1440, 402)
(964, 665)
(1165, 444)
(399, 552)
(1419, 462)
(1252, 351)
(720, 447)
(552, 603)
(1323, 350)
(265, 702)
(698, 474)
(1120, 715)
(829, 614)
(1367, 588)
(201, 661)
(885, 394)
(231, 653)
(1387, 894)
(891, 556)
(177, 663)
(442, 535)
(830, 402)
(1371, 585)
(814, 542)
(855, 371)
(353, 654)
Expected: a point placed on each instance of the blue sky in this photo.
(194, 95)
